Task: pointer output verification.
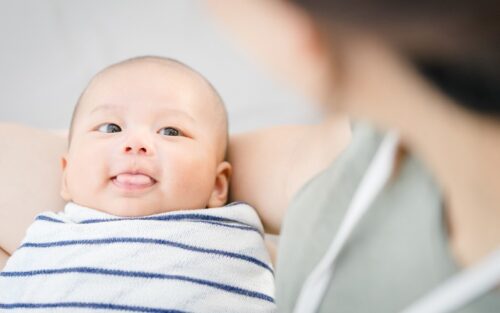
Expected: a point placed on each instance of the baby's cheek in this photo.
(192, 180)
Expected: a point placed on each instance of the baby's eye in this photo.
(169, 131)
(109, 128)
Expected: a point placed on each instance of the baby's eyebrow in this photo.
(176, 113)
(106, 107)
(166, 111)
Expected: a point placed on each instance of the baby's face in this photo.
(147, 138)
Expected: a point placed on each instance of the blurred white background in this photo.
(51, 48)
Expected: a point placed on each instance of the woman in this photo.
(428, 71)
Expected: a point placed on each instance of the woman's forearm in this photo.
(30, 180)
(271, 165)
(3, 258)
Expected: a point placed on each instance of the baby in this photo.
(145, 228)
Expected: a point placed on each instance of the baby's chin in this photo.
(136, 207)
(132, 208)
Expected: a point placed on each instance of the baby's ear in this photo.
(221, 187)
(64, 186)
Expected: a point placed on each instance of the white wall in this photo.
(49, 49)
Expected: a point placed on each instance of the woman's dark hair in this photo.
(454, 43)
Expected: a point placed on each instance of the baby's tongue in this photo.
(134, 179)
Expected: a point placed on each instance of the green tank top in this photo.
(397, 253)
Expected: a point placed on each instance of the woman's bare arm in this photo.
(3, 258)
(30, 180)
(270, 165)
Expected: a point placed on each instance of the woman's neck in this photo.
(461, 148)
(463, 151)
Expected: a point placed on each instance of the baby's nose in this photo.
(138, 150)
(138, 145)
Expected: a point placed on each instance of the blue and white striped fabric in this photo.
(83, 260)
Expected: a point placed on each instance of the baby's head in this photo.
(148, 135)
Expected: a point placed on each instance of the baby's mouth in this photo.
(131, 181)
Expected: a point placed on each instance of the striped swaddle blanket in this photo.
(83, 260)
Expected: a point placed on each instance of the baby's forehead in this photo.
(153, 76)
(151, 69)
(145, 72)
